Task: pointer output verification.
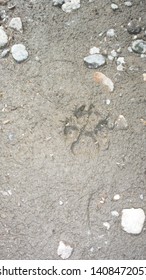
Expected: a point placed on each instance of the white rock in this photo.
(107, 225)
(114, 53)
(94, 50)
(64, 251)
(115, 213)
(19, 52)
(70, 5)
(60, 202)
(110, 32)
(108, 101)
(133, 220)
(3, 38)
(116, 197)
(5, 53)
(94, 60)
(128, 3)
(114, 6)
(120, 60)
(58, 3)
(121, 123)
(130, 49)
(16, 24)
(110, 57)
(143, 55)
(141, 196)
(120, 67)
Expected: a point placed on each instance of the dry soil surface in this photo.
(62, 159)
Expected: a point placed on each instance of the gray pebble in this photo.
(3, 38)
(94, 61)
(58, 3)
(133, 27)
(19, 52)
(121, 123)
(139, 46)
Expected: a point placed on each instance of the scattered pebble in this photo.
(110, 32)
(116, 197)
(114, 7)
(144, 77)
(141, 196)
(5, 53)
(3, 38)
(110, 57)
(100, 78)
(3, 15)
(64, 250)
(107, 101)
(115, 213)
(121, 123)
(133, 27)
(60, 202)
(110, 124)
(16, 24)
(143, 55)
(120, 62)
(94, 50)
(70, 5)
(19, 52)
(6, 122)
(11, 136)
(91, 249)
(120, 67)
(58, 3)
(139, 46)
(128, 3)
(12, 6)
(133, 220)
(102, 201)
(107, 225)
(130, 49)
(94, 61)
(114, 53)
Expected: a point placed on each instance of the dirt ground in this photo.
(57, 179)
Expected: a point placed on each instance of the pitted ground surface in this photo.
(57, 145)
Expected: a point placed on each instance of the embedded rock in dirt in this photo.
(58, 3)
(121, 123)
(3, 38)
(70, 5)
(128, 3)
(139, 46)
(16, 24)
(5, 53)
(133, 27)
(110, 32)
(19, 52)
(64, 250)
(100, 78)
(94, 61)
(114, 7)
(133, 220)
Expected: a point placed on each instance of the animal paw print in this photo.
(86, 131)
